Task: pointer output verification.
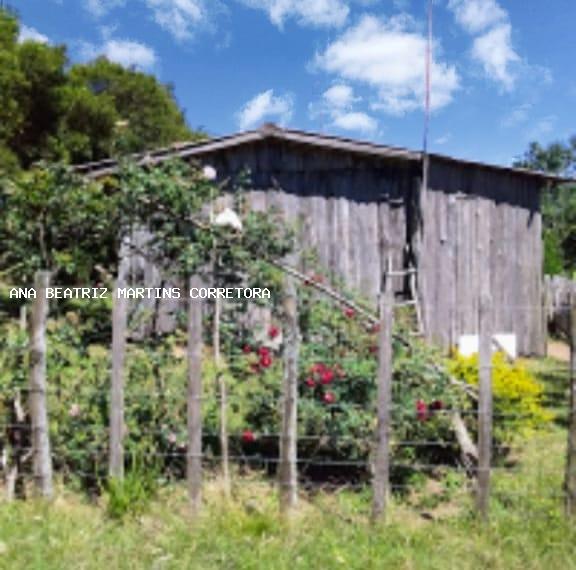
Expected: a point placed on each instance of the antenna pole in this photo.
(428, 86)
(427, 106)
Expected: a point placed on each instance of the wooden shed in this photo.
(473, 226)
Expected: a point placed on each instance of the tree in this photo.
(558, 205)
(556, 158)
(51, 111)
(41, 101)
(147, 115)
(11, 83)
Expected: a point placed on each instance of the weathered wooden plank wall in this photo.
(353, 210)
(349, 209)
(477, 221)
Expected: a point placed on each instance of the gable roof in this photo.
(273, 132)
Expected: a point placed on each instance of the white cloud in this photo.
(266, 105)
(316, 13)
(181, 17)
(356, 121)
(31, 34)
(337, 104)
(389, 55)
(492, 46)
(99, 8)
(128, 53)
(476, 16)
(495, 52)
(339, 96)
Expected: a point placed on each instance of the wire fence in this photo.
(324, 460)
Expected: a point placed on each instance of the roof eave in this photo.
(109, 166)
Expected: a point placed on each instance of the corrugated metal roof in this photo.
(270, 131)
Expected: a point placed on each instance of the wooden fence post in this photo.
(484, 406)
(570, 476)
(381, 479)
(223, 400)
(288, 467)
(194, 400)
(119, 326)
(42, 459)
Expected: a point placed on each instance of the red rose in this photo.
(329, 398)
(421, 411)
(247, 349)
(375, 328)
(327, 376)
(263, 351)
(266, 361)
(273, 332)
(437, 405)
(373, 349)
(310, 382)
(349, 313)
(248, 436)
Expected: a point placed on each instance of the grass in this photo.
(526, 530)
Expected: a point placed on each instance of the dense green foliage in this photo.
(50, 110)
(558, 204)
(57, 221)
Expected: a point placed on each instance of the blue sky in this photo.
(503, 73)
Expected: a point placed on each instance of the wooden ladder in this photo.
(414, 298)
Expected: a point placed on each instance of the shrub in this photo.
(338, 367)
(133, 494)
(518, 407)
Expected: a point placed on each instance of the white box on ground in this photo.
(468, 344)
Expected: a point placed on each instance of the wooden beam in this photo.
(570, 476)
(381, 480)
(194, 400)
(288, 473)
(42, 459)
(119, 327)
(484, 406)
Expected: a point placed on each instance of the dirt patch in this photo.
(558, 350)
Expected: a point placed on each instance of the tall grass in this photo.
(434, 528)
(526, 530)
